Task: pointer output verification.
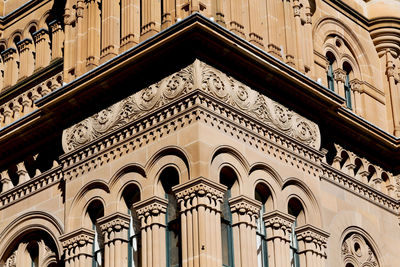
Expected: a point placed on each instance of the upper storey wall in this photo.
(312, 36)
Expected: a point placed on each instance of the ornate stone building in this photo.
(200, 133)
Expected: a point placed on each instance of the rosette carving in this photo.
(130, 108)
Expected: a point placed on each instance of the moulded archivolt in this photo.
(213, 82)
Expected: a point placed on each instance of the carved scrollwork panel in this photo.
(213, 82)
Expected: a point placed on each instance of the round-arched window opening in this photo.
(349, 265)
(16, 39)
(2, 48)
(32, 29)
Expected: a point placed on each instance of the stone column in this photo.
(43, 52)
(10, 66)
(151, 213)
(57, 39)
(151, 18)
(27, 61)
(339, 76)
(130, 23)
(355, 85)
(278, 227)
(245, 212)
(110, 29)
(69, 44)
(394, 94)
(22, 173)
(312, 245)
(93, 38)
(200, 203)
(115, 231)
(299, 36)
(78, 247)
(6, 181)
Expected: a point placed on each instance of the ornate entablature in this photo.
(206, 79)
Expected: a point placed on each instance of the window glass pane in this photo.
(173, 243)
(225, 243)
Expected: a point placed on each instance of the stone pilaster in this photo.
(312, 245)
(115, 231)
(200, 210)
(43, 52)
(10, 66)
(278, 227)
(57, 39)
(78, 247)
(22, 173)
(27, 61)
(151, 213)
(245, 212)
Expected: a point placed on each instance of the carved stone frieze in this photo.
(356, 250)
(213, 82)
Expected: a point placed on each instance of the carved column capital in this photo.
(55, 26)
(8, 54)
(311, 238)
(245, 210)
(114, 222)
(356, 85)
(24, 44)
(280, 223)
(206, 192)
(77, 239)
(149, 211)
(40, 35)
(69, 16)
(339, 75)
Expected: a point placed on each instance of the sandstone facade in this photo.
(199, 133)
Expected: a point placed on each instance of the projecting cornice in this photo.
(177, 47)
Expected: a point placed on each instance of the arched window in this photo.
(295, 209)
(170, 177)
(227, 178)
(347, 88)
(95, 212)
(33, 250)
(263, 195)
(131, 195)
(330, 78)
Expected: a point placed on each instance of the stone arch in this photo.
(28, 30)
(345, 222)
(226, 156)
(15, 34)
(96, 189)
(327, 26)
(294, 187)
(43, 20)
(29, 222)
(131, 168)
(261, 173)
(120, 205)
(171, 156)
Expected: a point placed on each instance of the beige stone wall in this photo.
(179, 136)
